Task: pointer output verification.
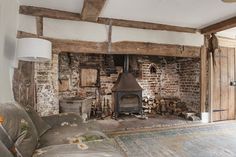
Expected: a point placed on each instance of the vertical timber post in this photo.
(203, 78)
(210, 88)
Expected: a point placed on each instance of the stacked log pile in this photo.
(169, 106)
(150, 105)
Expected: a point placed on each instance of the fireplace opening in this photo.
(118, 60)
(170, 86)
(129, 100)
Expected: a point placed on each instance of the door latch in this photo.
(233, 83)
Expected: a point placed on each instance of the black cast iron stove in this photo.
(127, 93)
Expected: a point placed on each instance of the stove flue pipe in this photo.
(126, 64)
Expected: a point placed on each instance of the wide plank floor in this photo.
(217, 140)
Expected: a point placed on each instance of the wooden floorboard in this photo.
(215, 139)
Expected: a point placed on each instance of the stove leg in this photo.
(115, 115)
(141, 113)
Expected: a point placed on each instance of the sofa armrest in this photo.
(62, 119)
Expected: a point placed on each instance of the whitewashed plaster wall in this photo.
(155, 36)
(86, 31)
(8, 28)
(229, 33)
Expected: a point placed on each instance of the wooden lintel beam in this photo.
(39, 25)
(220, 26)
(124, 47)
(145, 48)
(73, 46)
(92, 9)
(57, 14)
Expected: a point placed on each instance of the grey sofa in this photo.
(24, 133)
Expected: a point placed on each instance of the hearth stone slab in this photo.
(130, 124)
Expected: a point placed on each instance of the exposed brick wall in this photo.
(150, 82)
(170, 78)
(190, 82)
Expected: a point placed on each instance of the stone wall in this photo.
(69, 76)
(36, 84)
(46, 80)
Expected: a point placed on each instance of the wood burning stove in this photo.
(127, 93)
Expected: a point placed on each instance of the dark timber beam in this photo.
(73, 46)
(220, 26)
(49, 13)
(124, 47)
(92, 9)
(39, 26)
(109, 38)
(57, 14)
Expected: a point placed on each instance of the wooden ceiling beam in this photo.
(92, 9)
(49, 13)
(123, 47)
(220, 26)
(57, 14)
(145, 25)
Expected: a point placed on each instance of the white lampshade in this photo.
(34, 49)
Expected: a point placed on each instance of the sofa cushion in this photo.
(11, 121)
(104, 148)
(40, 124)
(10, 145)
(16, 121)
(64, 134)
(63, 118)
(4, 152)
